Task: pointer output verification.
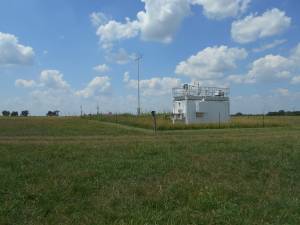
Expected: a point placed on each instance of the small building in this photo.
(196, 104)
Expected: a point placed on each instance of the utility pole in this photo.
(138, 59)
(81, 110)
(97, 109)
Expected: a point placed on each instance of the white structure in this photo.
(195, 104)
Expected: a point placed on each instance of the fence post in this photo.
(154, 121)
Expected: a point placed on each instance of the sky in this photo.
(61, 54)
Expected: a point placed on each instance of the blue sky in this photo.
(63, 54)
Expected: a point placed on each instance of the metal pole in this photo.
(154, 121)
(139, 100)
(139, 57)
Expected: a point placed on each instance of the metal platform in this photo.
(201, 98)
(198, 92)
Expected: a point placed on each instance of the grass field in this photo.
(164, 122)
(79, 171)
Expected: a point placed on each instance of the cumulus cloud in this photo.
(271, 68)
(253, 27)
(12, 52)
(98, 18)
(236, 79)
(115, 31)
(155, 86)
(120, 56)
(211, 63)
(25, 83)
(269, 45)
(295, 56)
(161, 19)
(103, 68)
(220, 9)
(51, 92)
(53, 79)
(98, 85)
(157, 22)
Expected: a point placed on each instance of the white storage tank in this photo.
(196, 104)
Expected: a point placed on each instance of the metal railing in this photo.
(193, 90)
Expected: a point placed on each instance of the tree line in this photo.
(26, 113)
(277, 113)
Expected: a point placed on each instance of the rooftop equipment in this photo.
(196, 104)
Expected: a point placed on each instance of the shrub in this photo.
(25, 113)
(14, 114)
(5, 113)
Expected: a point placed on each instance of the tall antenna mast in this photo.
(138, 59)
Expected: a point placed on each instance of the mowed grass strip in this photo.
(164, 122)
(233, 176)
(59, 126)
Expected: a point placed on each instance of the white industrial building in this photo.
(196, 104)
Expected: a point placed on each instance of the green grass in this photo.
(164, 122)
(77, 171)
(61, 126)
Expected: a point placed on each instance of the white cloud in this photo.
(25, 83)
(53, 79)
(126, 77)
(272, 68)
(157, 22)
(220, 9)
(236, 79)
(120, 57)
(156, 86)
(103, 68)
(211, 63)
(99, 85)
(269, 68)
(13, 53)
(98, 18)
(295, 56)
(295, 80)
(161, 19)
(253, 27)
(52, 92)
(115, 31)
(269, 45)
